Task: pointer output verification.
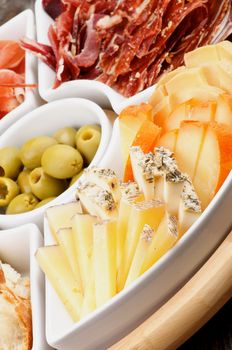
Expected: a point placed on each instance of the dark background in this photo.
(217, 333)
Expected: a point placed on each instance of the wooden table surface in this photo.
(217, 333)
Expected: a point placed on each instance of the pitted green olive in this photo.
(10, 162)
(65, 136)
(32, 150)
(8, 190)
(44, 201)
(61, 161)
(44, 186)
(88, 138)
(22, 203)
(23, 181)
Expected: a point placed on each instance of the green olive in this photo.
(65, 136)
(87, 141)
(62, 161)
(8, 190)
(44, 186)
(23, 181)
(10, 162)
(76, 177)
(44, 201)
(32, 150)
(22, 203)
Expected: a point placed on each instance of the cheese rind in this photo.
(97, 201)
(189, 208)
(143, 167)
(104, 178)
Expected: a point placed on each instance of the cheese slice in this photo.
(104, 178)
(82, 228)
(168, 140)
(65, 236)
(224, 50)
(130, 194)
(59, 216)
(104, 260)
(140, 255)
(53, 262)
(173, 187)
(89, 299)
(147, 212)
(201, 55)
(165, 237)
(189, 208)
(97, 201)
(143, 167)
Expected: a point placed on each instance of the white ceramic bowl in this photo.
(17, 248)
(98, 92)
(130, 307)
(45, 120)
(15, 29)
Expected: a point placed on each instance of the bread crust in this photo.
(22, 307)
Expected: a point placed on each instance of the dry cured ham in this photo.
(127, 44)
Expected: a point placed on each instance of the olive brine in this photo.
(44, 167)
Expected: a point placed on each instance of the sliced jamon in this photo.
(53, 7)
(42, 51)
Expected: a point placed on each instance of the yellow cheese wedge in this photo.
(150, 213)
(104, 260)
(207, 172)
(59, 216)
(159, 189)
(141, 252)
(82, 228)
(219, 74)
(65, 236)
(157, 96)
(168, 140)
(201, 56)
(168, 76)
(224, 50)
(161, 112)
(223, 113)
(53, 262)
(188, 146)
(164, 239)
(89, 299)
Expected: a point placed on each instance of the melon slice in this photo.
(215, 162)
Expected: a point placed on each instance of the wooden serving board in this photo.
(189, 309)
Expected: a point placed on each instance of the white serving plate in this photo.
(15, 29)
(17, 248)
(45, 120)
(98, 92)
(133, 305)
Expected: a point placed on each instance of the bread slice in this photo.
(15, 310)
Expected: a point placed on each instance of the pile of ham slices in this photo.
(12, 68)
(127, 44)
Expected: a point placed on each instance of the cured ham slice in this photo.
(127, 44)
